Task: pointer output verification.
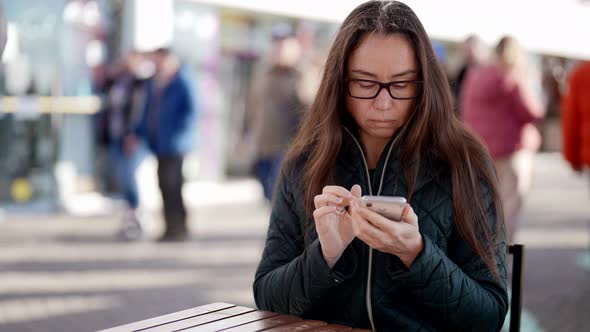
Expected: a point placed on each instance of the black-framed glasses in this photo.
(369, 89)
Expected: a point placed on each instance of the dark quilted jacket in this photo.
(448, 287)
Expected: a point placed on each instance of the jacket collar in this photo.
(351, 159)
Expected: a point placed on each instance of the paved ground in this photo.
(66, 273)
(556, 232)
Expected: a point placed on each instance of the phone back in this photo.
(391, 207)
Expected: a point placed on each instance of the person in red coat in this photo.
(576, 118)
(498, 105)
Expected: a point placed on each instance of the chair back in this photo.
(517, 252)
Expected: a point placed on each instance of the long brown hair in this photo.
(432, 129)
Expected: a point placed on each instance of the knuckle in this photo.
(316, 200)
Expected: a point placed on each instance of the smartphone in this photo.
(390, 207)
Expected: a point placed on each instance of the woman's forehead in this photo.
(383, 55)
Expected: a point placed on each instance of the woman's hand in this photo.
(333, 222)
(400, 237)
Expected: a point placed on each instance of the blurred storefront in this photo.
(47, 105)
(58, 50)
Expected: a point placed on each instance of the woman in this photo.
(499, 107)
(441, 267)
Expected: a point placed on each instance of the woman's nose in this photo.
(383, 101)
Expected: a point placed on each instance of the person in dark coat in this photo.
(125, 92)
(383, 124)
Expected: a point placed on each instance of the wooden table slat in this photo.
(299, 326)
(169, 318)
(265, 324)
(330, 328)
(228, 317)
(200, 320)
(233, 321)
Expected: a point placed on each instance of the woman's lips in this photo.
(382, 123)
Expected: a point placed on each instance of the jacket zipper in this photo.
(370, 186)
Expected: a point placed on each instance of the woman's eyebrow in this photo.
(404, 73)
(369, 74)
(362, 72)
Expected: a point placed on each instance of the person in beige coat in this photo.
(274, 107)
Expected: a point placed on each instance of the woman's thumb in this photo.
(409, 216)
(356, 190)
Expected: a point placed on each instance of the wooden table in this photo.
(229, 317)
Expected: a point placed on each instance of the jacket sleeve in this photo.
(142, 118)
(570, 122)
(187, 110)
(457, 290)
(291, 278)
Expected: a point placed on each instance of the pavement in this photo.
(67, 271)
(555, 230)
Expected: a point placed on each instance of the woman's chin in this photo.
(382, 132)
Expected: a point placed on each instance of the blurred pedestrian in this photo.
(472, 53)
(3, 37)
(575, 110)
(274, 106)
(312, 61)
(498, 105)
(125, 100)
(553, 78)
(440, 50)
(168, 126)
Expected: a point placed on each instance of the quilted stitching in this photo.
(450, 295)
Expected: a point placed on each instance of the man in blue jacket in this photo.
(167, 126)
